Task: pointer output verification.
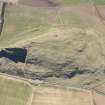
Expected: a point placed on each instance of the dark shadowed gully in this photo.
(14, 54)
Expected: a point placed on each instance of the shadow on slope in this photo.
(14, 54)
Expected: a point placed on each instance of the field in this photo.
(57, 96)
(18, 92)
(13, 92)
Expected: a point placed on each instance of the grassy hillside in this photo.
(32, 22)
(25, 22)
(65, 46)
(60, 42)
(65, 43)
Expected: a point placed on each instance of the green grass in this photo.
(13, 92)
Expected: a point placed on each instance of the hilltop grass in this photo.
(13, 92)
